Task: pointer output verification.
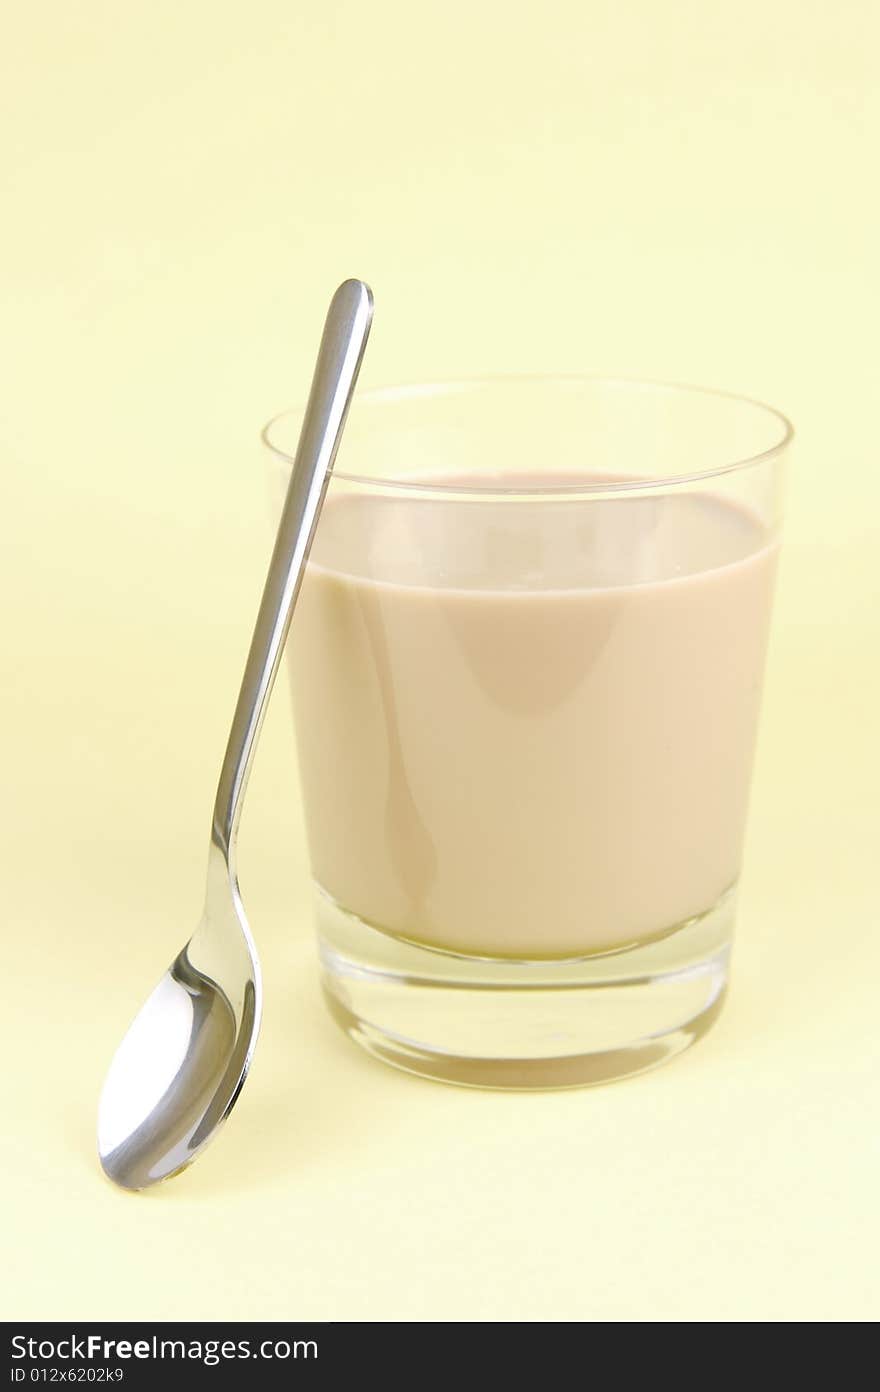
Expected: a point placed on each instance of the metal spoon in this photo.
(183, 1062)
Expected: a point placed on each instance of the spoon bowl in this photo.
(177, 1073)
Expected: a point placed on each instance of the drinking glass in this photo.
(526, 666)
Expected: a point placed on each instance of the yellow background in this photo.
(667, 188)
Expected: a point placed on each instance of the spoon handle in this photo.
(336, 370)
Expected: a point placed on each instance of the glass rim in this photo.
(409, 391)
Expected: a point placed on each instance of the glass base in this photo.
(495, 1023)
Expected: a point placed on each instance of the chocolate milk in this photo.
(526, 726)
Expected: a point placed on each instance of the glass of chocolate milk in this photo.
(526, 667)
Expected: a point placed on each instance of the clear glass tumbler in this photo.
(526, 665)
